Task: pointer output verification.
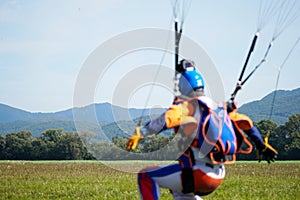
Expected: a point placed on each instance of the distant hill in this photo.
(113, 120)
(104, 112)
(38, 126)
(10, 114)
(287, 102)
(103, 130)
(119, 121)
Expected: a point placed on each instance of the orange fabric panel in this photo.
(204, 183)
(242, 121)
(173, 116)
(189, 125)
(242, 139)
(180, 114)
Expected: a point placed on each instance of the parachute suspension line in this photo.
(267, 10)
(184, 11)
(238, 85)
(176, 8)
(288, 13)
(278, 76)
(176, 13)
(155, 76)
(283, 21)
(180, 10)
(259, 64)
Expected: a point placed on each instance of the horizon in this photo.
(71, 108)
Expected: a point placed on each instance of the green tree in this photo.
(102, 150)
(292, 127)
(266, 125)
(39, 149)
(120, 142)
(2, 146)
(86, 136)
(18, 145)
(70, 147)
(52, 138)
(282, 142)
(154, 143)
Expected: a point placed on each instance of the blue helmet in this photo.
(190, 80)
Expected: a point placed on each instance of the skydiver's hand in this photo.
(268, 153)
(231, 106)
(134, 139)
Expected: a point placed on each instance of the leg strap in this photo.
(187, 161)
(187, 180)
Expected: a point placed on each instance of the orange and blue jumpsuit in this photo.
(205, 175)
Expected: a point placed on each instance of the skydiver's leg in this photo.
(207, 179)
(151, 179)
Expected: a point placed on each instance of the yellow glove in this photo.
(269, 153)
(134, 139)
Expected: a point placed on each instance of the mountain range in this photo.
(103, 112)
(116, 120)
(286, 103)
(91, 117)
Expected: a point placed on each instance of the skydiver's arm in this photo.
(175, 116)
(154, 126)
(255, 136)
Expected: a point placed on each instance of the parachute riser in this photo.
(249, 55)
(287, 12)
(178, 34)
(239, 83)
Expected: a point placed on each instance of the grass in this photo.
(95, 180)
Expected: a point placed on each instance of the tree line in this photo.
(55, 144)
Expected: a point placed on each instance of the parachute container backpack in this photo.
(217, 135)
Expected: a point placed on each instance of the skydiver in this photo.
(200, 168)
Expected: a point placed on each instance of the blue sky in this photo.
(43, 45)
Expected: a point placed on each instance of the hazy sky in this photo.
(43, 45)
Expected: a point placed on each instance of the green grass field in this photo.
(94, 180)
